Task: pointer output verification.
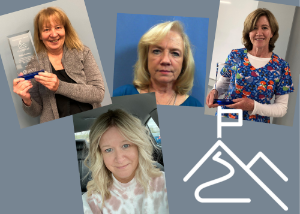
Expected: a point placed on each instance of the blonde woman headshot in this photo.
(124, 176)
(72, 81)
(165, 65)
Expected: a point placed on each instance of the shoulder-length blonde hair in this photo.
(133, 130)
(154, 35)
(250, 23)
(43, 18)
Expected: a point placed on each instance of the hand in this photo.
(245, 104)
(49, 80)
(213, 94)
(21, 87)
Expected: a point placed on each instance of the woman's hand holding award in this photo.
(224, 85)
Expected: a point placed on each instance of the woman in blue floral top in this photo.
(258, 74)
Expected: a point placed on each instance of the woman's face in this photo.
(261, 35)
(120, 156)
(53, 36)
(165, 59)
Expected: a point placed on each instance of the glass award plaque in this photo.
(23, 51)
(224, 86)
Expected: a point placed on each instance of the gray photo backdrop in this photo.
(39, 171)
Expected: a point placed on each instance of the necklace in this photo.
(169, 101)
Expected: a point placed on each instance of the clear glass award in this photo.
(23, 51)
(223, 85)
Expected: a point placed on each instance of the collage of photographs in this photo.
(158, 107)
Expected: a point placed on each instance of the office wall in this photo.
(292, 57)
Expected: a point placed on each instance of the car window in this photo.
(155, 131)
(82, 135)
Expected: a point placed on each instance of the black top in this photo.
(65, 105)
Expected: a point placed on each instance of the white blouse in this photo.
(130, 198)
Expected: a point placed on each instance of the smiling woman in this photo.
(263, 39)
(125, 179)
(53, 35)
(71, 83)
(256, 73)
(165, 66)
(119, 155)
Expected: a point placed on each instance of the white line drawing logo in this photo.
(220, 123)
(22, 45)
(247, 168)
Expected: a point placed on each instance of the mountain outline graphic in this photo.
(247, 168)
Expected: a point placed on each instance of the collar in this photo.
(124, 186)
(245, 52)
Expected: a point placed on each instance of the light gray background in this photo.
(39, 171)
(23, 20)
(183, 148)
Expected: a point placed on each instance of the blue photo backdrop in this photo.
(131, 27)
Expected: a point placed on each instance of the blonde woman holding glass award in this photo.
(72, 81)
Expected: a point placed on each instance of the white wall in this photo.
(229, 30)
(292, 57)
(23, 20)
(284, 15)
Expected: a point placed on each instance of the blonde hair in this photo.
(154, 35)
(72, 40)
(250, 23)
(133, 130)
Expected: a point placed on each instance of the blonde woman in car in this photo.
(124, 179)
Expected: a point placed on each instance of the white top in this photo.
(280, 105)
(130, 198)
(257, 62)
